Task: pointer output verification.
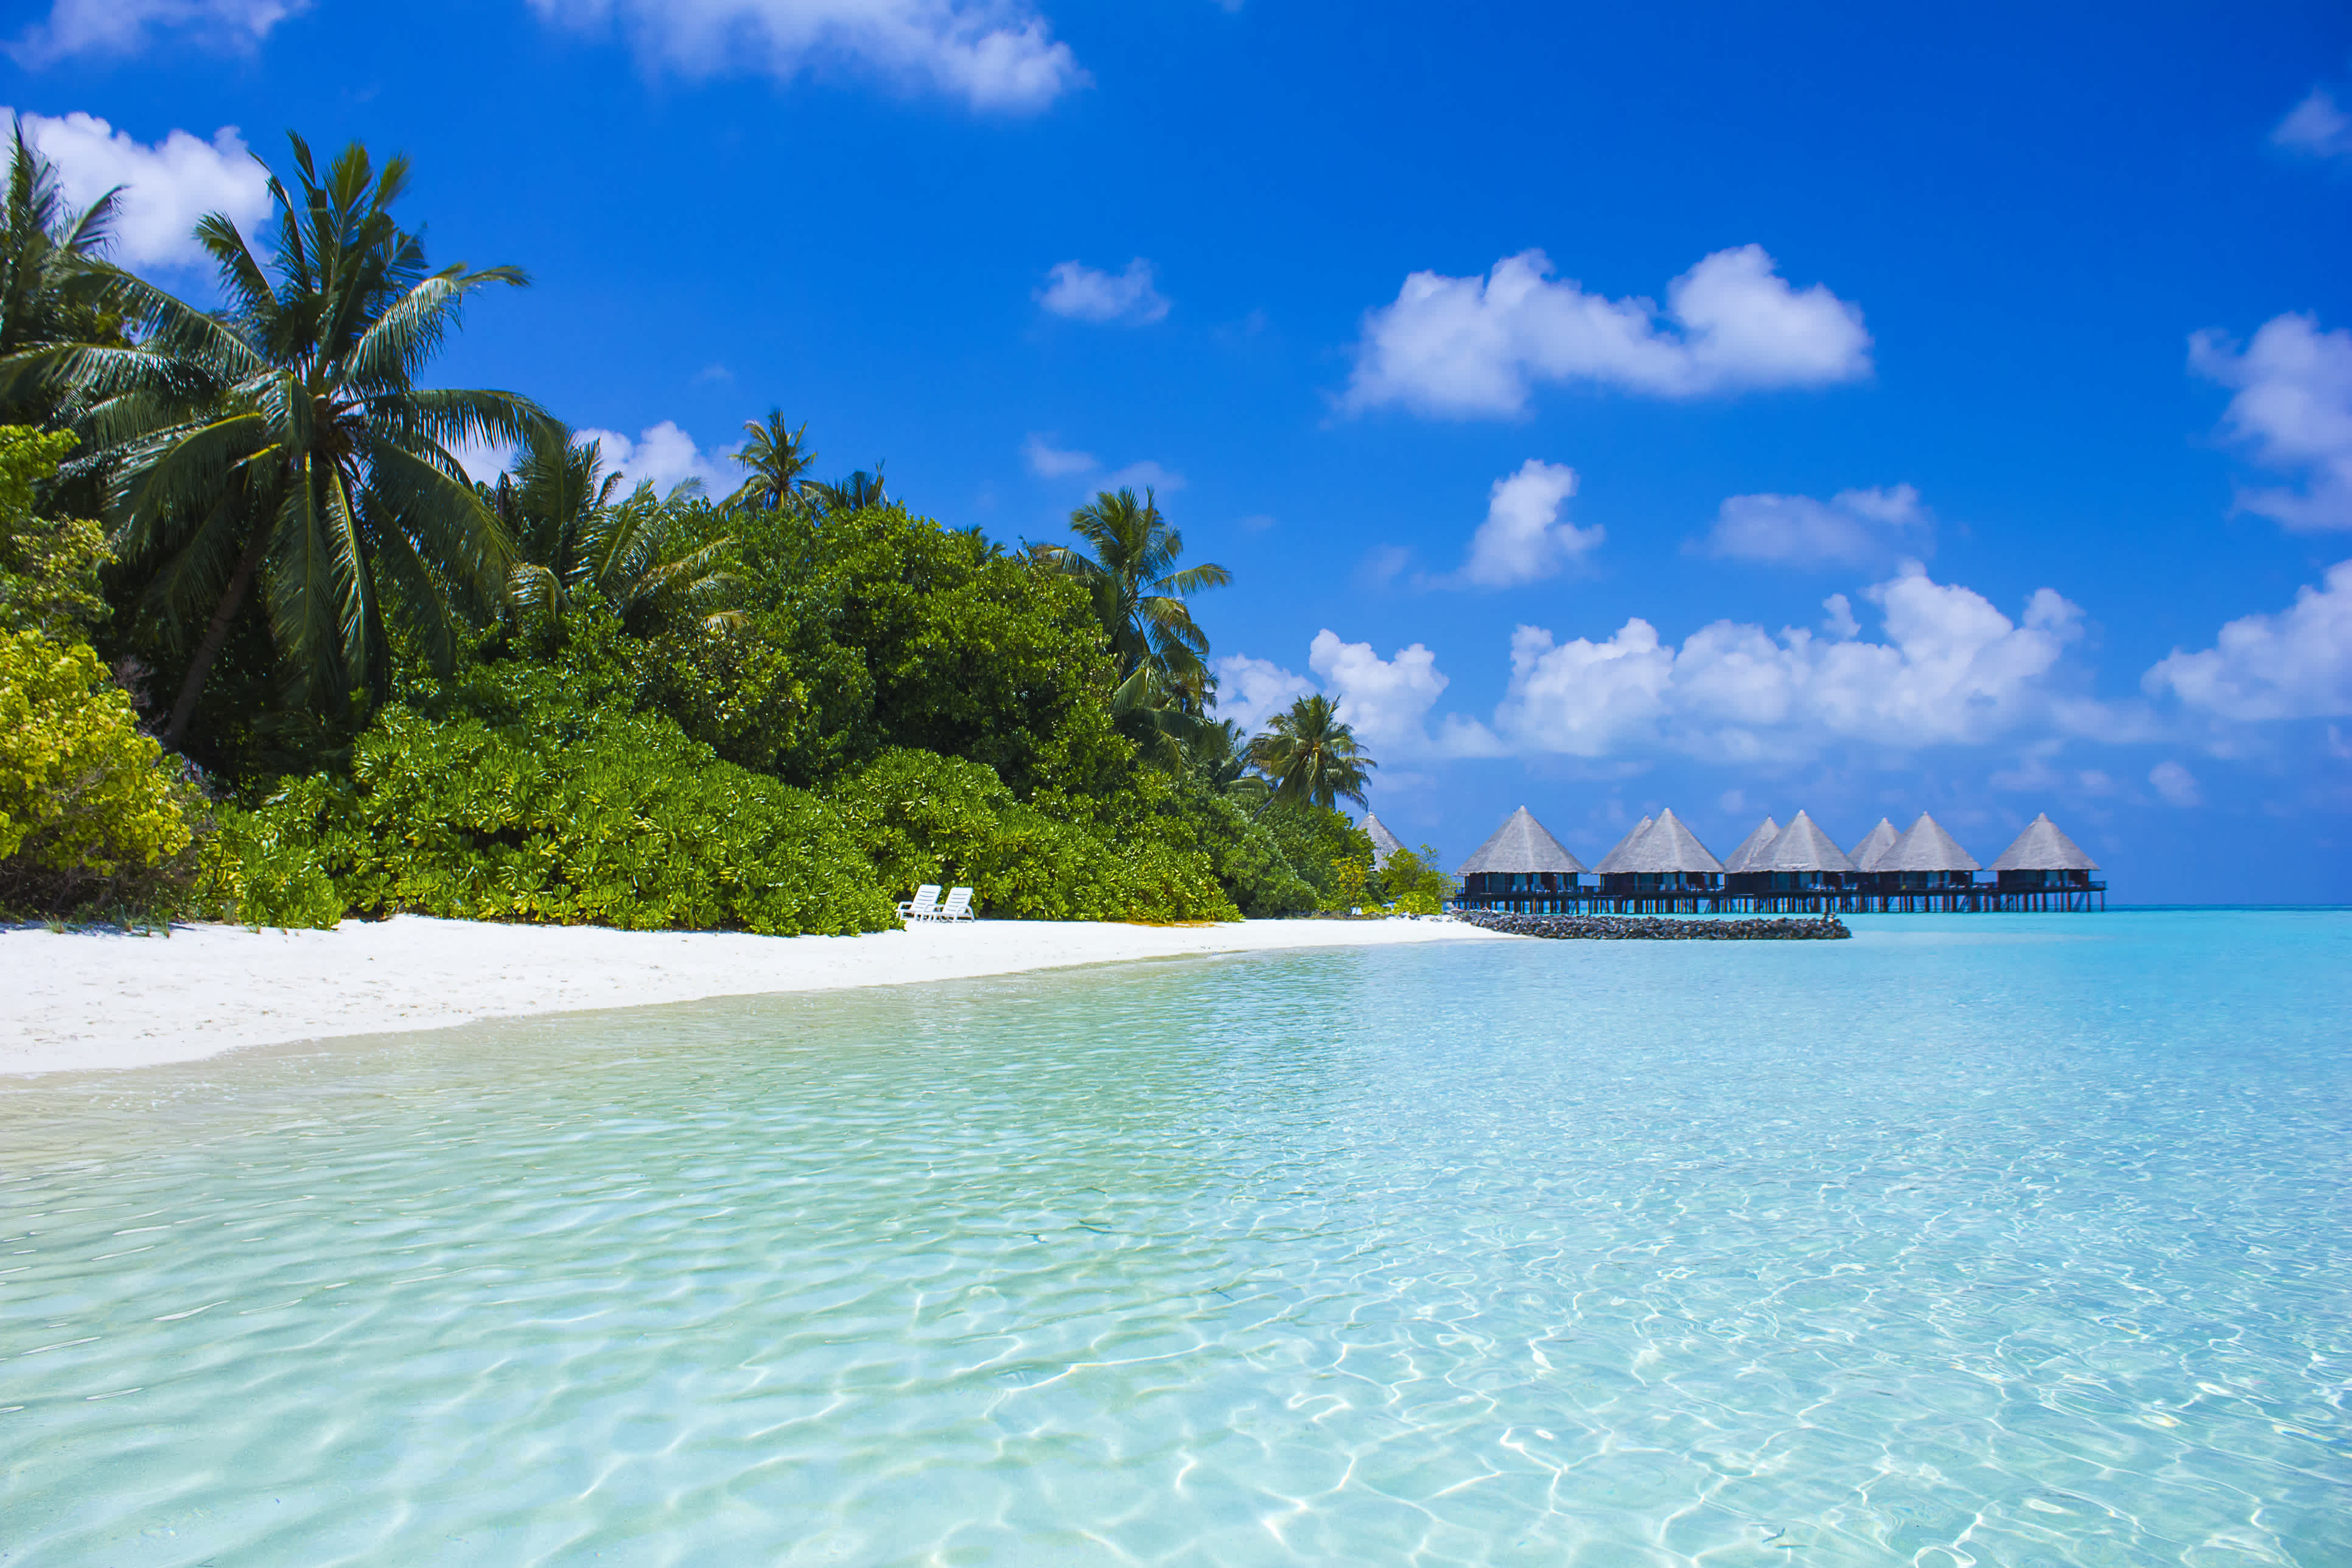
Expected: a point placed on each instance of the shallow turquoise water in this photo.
(1974, 1240)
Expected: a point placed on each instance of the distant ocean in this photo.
(1974, 1240)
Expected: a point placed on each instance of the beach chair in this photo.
(923, 905)
(957, 908)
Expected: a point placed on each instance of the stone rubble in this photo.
(1652, 928)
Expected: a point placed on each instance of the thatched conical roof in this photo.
(1669, 847)
(1384, 843)
(1520, 845)
(1925, 846)
(1750, 855)
(1615, 859)
(1879, 841)
(1803, 846)
(2043, 848)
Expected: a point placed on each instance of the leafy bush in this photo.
(49, 568)
(1410, 883)
(90, 814)
(922, 818)
(562, 815)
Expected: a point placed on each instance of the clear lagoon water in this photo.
(1979, 1240)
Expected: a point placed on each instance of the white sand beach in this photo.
(79, 1000)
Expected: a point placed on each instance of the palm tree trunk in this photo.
(183, 707)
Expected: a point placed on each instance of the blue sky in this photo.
(1692, 405)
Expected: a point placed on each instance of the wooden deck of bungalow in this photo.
(2079, 897)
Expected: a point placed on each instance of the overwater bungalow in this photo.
(2043, 861)
(1751, 850)
(1384, 843)
(1662, 859)
(1877, 842)
(1523, 869)
(1614, 861)
(1926, 864)
(1800, 860)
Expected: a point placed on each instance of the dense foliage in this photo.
(90, 814)
(560, 697)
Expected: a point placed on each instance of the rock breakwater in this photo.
(1651, 928)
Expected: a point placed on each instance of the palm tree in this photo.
(855, 493)
(1219, 753)
(569, 532)
(284, 440)
(778, 460)
(54, 284)
(1139, 592)
(1311, 756)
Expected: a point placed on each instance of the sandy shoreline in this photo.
(80, 1000)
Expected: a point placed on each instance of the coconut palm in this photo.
(54, 285)
(570, 533)
(1140, 594)
(283, 441)
(858, 492)
(778, 460)
(1311, 756)
(1219, 754)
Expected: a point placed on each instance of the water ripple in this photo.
(1968, 1242)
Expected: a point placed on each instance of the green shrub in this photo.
(560, 815)
(1410, 883)
(91, 816)
(922, 817)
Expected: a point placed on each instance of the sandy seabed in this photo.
(78, 1000)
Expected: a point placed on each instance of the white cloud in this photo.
(1387, 701)
(1952, 670)
(663, 454)
(483, 462)
(1145, 475)
(125, 27)
(1523, 538)
(2318, 126)
(1252, 690)
(1049, 461)
(1084, 294)
(1852, 528)
(2294, 406)
(2176, 783)
(1465, 347)
(1840, 622)
(2297, 664)
(991, 54)
(166, 187)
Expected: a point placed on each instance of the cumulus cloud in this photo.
(1084, 294)
(663, 454)
(996, 55)
(1852, 528)
(1049, 461)
(1252, 690)
(1953, 670)
(1145, 475)
(2175, 784)
(125, 27)
(2318, 126)
(2294, 408)
(166, 185)
(2296, 663)
(1523, 538)
(1470, 347)
(1949, 670)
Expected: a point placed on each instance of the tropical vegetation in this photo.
(268, 652)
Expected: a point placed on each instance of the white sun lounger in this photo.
(957, 908)
(923, 905)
